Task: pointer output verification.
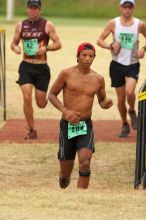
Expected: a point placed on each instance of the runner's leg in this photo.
(130, 92)
(121, 96)
(66, 167)
(27, 105)
(84, 156)
(41, 99)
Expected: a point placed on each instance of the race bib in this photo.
(30, 46)
(127, 40)
(77, 129)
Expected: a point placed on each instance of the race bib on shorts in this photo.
(30, 46)
(127, 40)
(77, 129)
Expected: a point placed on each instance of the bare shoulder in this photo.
(68, 71)
(109, 27)
(97, 76)
(50, 25)
(141, 22)
(19, 25)
(110, 23)
(142, 26)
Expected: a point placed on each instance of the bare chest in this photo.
(82, 86)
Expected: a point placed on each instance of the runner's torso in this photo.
(79, 91)
(127, 36)
(33, 36)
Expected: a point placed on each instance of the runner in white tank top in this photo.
(127, 36)
(124, 67)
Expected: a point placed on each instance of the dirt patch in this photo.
(15, 130)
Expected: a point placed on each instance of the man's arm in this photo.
(114, 47)
(103, 100)
(58, 85)
(109, 28)
(16, 39)
(142, 30)
(56, 88)
(56, 45)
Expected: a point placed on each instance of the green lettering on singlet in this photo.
(77, 129)
(30, 47)
(127, 40)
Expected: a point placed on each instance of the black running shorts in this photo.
(68, 147)
(36, 74)
(118, 72)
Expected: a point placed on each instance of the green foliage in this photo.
(76, 8)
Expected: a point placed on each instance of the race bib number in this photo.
(77, 129)
(30, 47)
(127, 40)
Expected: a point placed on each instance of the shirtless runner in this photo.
(79, 84)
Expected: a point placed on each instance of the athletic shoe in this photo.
(125, 131)
(64, 182)
(32, 134)
(134, 119)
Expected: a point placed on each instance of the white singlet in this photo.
(127, 36)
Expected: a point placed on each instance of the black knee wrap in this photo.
(85, 173)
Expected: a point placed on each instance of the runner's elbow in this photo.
(98, 42)
(59, 46)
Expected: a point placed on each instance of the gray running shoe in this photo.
(64, 182)
(125, 131)
(134, 119)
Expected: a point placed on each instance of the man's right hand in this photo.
(71, 116)
(41, 50)
(17, 50)
(115, 48)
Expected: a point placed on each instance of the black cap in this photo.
(36, 3)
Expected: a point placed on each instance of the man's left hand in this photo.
(41, 50)
(141, 53)
(106, 103)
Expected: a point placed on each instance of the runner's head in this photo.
(33, 9)
(35, 3)
(127, 3)
(127, 8)
(85, 46)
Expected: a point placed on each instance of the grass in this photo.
(33, 164)
(76, 8)
(59, 21)
(29, 185)
(47, 205)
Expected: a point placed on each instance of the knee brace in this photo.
(85, 173)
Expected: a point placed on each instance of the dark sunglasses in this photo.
(127, 6)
